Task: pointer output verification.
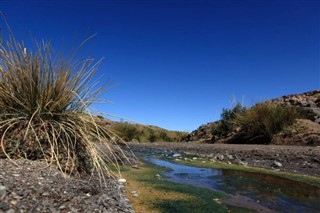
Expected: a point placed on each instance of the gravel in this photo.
(34, 187)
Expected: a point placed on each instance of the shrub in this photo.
(127, 131)
(43, 110)
(228, 121)
(152, 137)
(164, 136)
(264, 120)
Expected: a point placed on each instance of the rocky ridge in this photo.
(304, 132)
(308, 102)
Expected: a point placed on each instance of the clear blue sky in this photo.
(178, 63)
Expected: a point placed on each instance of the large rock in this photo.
(308, 102)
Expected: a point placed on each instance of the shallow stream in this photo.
(259, 192)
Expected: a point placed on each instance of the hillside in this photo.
(132, 132)
(305, 130)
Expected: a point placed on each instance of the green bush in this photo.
(127, 131)
(228, 121)
(264, 120)
(43, 109)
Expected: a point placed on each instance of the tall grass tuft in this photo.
(264, 120)
(43, 110)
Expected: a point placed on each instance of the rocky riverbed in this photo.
(295, 159)
(34, 187)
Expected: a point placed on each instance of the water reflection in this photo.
(277, 194)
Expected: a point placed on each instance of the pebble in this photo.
(219, 156)
(122, 180)
(134, 193)
(277, 164)
(230, 157)
(176, 155)
(45, 194)
(13, 202)
(135, 166)
(3, 190)
(62, 207)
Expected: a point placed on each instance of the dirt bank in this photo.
(296, 159)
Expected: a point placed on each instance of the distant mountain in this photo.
(304, 131)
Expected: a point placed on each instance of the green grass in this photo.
(160, 195)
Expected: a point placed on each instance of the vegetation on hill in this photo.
(142, 133)
(227, 122)
(257, 124)
(261, 122)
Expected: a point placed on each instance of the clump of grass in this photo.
(43, 110)
(264, 120)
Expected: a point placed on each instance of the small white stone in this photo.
(176, 155)
(45, 194)
(62, 207)
(277, 164)
(122, 180)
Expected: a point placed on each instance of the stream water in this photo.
(260, 192)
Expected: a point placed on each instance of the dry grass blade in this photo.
(43, 105)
